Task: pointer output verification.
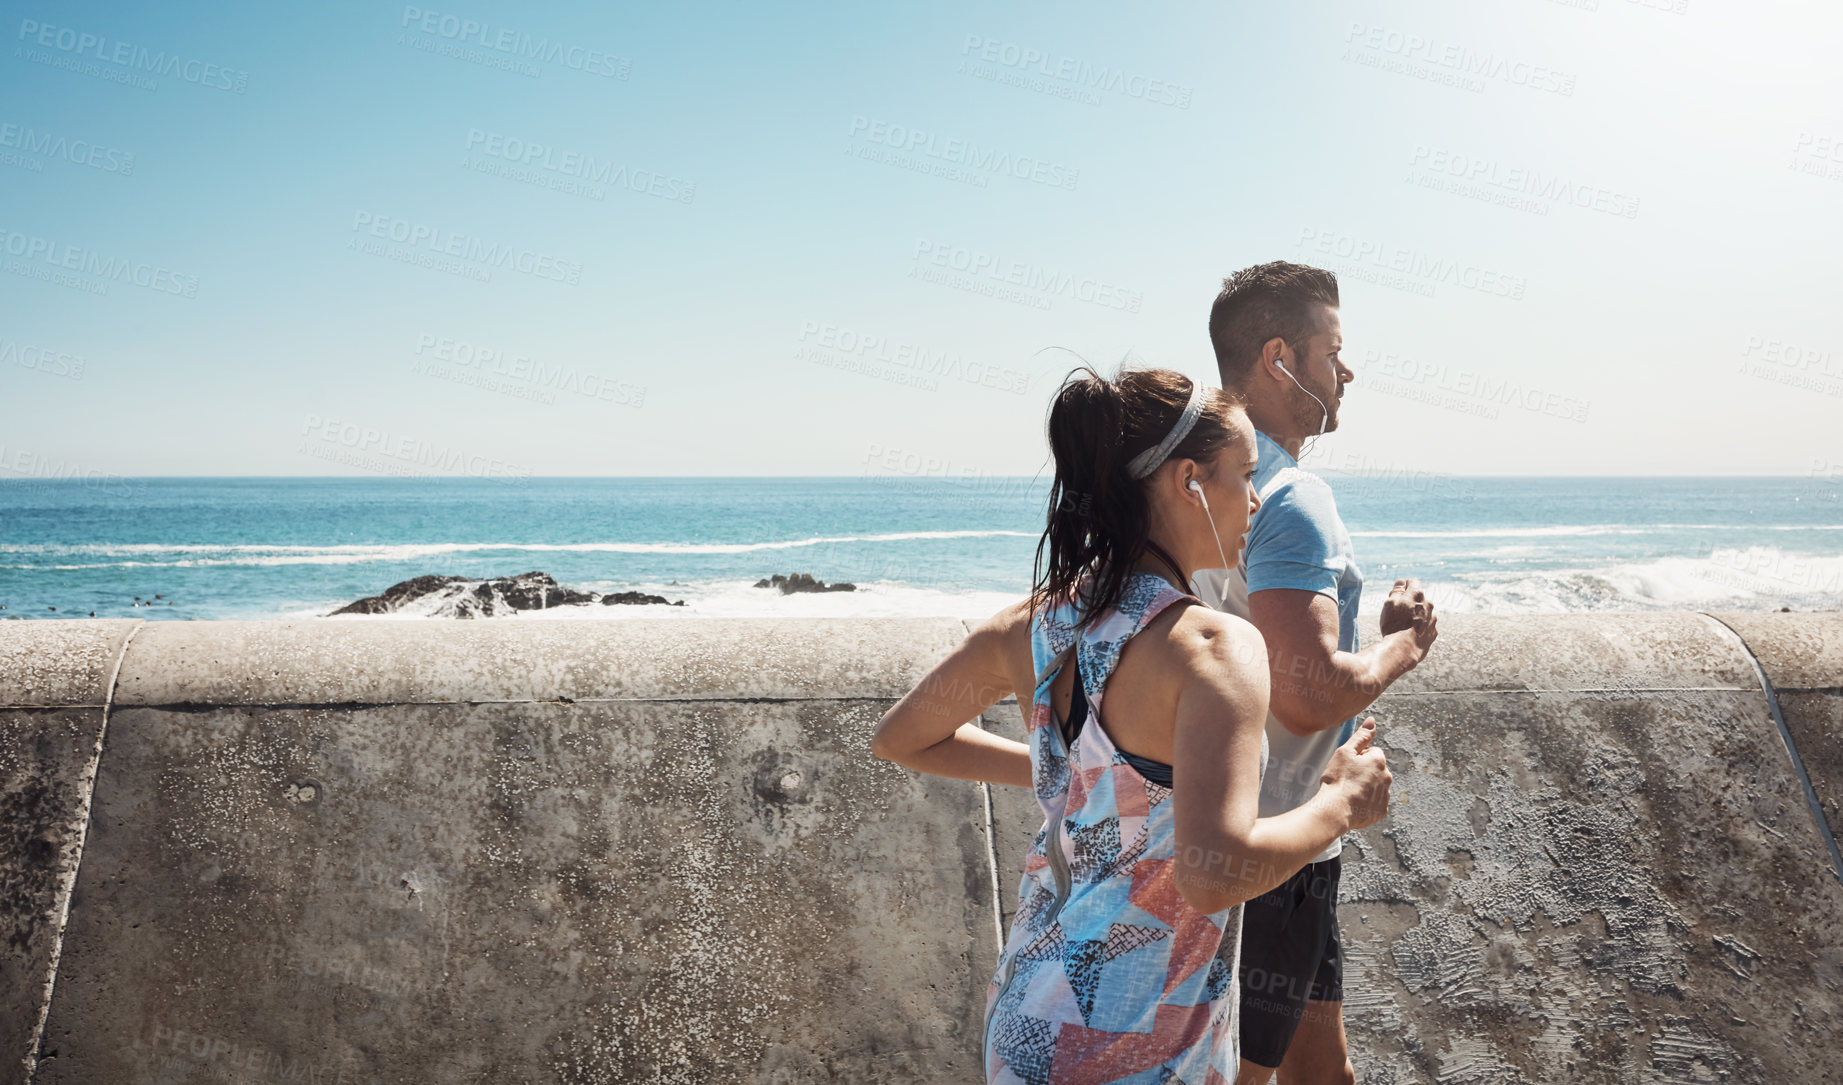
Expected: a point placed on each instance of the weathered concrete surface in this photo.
(1576, 652)
(523, 893)
(597, 852)
(372, 661)
(1798, 651)
(644, 890)
(59, 664)
(1610, 876)
(54, 681)
(1802, 655)
(1617, 887)
(1599, 867)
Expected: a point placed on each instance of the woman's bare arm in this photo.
(1226, 852)
(932, 728)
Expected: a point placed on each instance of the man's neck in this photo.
(1278, 430)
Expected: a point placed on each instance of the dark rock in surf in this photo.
(459, 597)
(638, 598)
(802, 582)
(396, 595)
(535, 591)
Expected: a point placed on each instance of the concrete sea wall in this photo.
(659, 851)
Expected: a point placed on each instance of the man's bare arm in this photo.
(1314, 685)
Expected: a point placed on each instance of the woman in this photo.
(1121, 957)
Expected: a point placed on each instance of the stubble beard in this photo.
(1310, 412)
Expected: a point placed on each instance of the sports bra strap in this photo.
(1078, 707)
(1156, 771)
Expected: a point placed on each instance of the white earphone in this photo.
(1220, 552)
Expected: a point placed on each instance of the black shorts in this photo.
(1290, 955)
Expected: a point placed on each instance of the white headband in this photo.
(1147, 462)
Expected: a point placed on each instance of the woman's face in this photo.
(1232, 499)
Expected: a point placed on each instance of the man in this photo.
(1277, 338)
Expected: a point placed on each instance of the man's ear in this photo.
(1274, 350)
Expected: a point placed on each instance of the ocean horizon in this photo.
(301, 547)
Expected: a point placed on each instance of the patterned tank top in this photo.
(1108, 975)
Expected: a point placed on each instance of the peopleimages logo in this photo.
(1829, 148)
(1801, 356)
(1818, 155)
(1498, 178)
(44, 359)
(362, 446)
(579, 166)
(1406, 268)
(177, 1053)
(1825, 479)
(1796, 365)
(18, 465)
(1369, 45)
(843, 347)
(1441, 386)
(515, 43)
(58, 257)
(963, 153)
(1015, 280)
(1356, 465)
(420, 239)
(1077, 76)
(76, 151)
(127, 55)
(489, 367)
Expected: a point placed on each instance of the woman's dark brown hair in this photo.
(1098, 514)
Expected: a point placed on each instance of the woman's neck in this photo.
(1157, 559)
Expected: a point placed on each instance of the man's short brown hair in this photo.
(1259, 303)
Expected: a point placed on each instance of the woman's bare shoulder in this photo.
(1009, 623)
(1005, 635)
(1199, 637)
(1004, 640)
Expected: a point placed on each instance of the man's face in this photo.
(1322, 371)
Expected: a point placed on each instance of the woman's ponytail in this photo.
(1098, 521)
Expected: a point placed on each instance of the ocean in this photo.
(267, 548)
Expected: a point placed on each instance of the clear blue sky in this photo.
(1115, 160)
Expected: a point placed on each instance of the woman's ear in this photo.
(1189, 477)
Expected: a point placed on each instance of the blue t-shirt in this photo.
(1297, 540)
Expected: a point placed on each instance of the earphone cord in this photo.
(1324, 415)
(1220, 552)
